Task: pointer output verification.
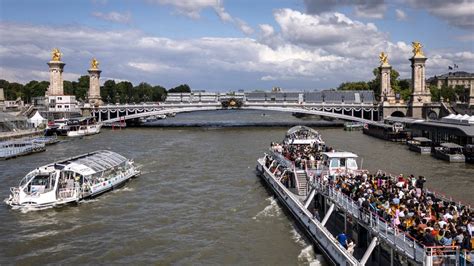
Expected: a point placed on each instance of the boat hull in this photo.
(419, 149)
(89, 130)
(320, 236)
(452, 158)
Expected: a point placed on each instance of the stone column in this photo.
(55, 78)
(94, 87)
(420, 92)
(385, 86)
(471, 93)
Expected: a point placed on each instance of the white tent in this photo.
(37, 119)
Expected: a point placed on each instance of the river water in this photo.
(198, 200)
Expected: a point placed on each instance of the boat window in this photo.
(334, 163)
(27, 178)
(41, 183)
(342, 162)
(351, 163)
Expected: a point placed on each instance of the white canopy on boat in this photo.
(95, 162)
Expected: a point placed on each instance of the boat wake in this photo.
(307, 255)
(271, 210)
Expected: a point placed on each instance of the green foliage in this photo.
(399, 86)
(447, 93)
(181, 88)
(111, 92)
(435, 93)
(348, 86)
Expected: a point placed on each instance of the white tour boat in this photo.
(84, 127)
(71, 180)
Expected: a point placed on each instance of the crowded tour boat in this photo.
(407, 223)
(71, 180)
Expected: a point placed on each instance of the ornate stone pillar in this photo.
(420, 93)
(385, 87)
(56, 67)
(94, 84)
(471, 93)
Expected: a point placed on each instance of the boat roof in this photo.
(301, 128)
(422, 139)
(450, 145)
(93, 162)
(340, 154)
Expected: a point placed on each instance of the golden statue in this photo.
(417, 49)
(94, 64)
(383, 58)
(56, 55)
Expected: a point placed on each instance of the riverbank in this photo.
(20, 134)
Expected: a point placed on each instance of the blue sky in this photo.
(221, 45)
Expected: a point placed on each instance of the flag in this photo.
(455, 66)
(450, 67)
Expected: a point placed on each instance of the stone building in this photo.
(456, 78)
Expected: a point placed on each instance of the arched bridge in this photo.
(360, 112)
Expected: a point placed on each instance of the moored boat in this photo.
(469, 153)
(71, 180)
(12, 149)
(352, 126)
(450, 152)
(420, 144)
(84, 127)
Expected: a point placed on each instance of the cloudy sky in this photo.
(220, 45)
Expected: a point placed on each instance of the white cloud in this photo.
(114, 16)
(458, 13)
(193, 8)
(303, 51)
(400, 14)
(152, 67)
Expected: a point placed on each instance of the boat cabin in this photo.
(340, 162)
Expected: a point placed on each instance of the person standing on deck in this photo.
(342, 238)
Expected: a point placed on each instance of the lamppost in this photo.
(342, 98)
(323, 96)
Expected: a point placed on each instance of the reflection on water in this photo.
(198, 199)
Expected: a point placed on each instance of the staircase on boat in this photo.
(302, 183)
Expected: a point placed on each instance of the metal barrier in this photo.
(385, 230)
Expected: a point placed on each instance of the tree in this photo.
(435, 93)
(448, 93)
(359, 85)
(158, 93)
(181, 88)
(108, 92)
(125, 91)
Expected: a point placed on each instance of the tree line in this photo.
(402, 88)
(110, 92)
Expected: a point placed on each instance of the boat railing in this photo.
(315, 226)
(385, 230)
(66, 193)
(446, 255)
(15, 192)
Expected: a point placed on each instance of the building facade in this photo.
(453, 79)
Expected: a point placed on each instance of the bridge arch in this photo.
(335, 113)
(398, 114)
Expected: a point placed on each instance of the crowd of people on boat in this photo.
(401, 201)
(301, 155)
(407, 206)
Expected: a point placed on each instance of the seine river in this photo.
(198, 200)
